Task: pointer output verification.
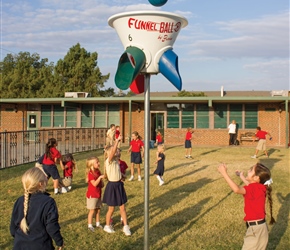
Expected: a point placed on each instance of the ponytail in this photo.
(270, 201)
(23, 224)
(33, 181)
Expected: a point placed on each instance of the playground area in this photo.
(195, 208)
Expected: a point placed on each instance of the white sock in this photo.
(97, 223)
(90, 225)
(158, 178)
(56, 190)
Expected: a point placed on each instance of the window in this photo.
(71, 117)
(251, 115)
(202, 116)
(45, 116)
(86, 116)
(100, 116)
(172, 115)
(58, 116)
(114, 114)
(187, 115)
(236, 113)
(220, 116)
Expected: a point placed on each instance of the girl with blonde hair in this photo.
(115, 194)
(94, 192)
(34, 221)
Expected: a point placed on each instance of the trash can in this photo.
(151, 144)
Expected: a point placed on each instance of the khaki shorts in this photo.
(261, 145)
(93, 203)
(66, 181)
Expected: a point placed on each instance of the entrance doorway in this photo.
(32, 124)
(157, 124)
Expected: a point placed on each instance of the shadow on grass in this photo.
(192, 216)
(211, 151)
(187, 174)
(279, 228)
(269, 162)
(167, 200)
(179, 166)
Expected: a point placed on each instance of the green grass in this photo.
(195, 209)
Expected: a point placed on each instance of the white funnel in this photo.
(154, 32)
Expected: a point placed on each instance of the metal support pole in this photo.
(130, 122)
(146, 159)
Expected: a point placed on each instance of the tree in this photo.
(78, 72)
(184, 93)
(27, 76)
(23, 75)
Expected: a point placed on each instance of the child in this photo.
(257, 187)
(160, 158)
(123, 166)
(261, 135)
(136, 146)
(117, 133)
(68, 165)
(115, 194)
(34, 221)
(94, 191)
(188, 147)
(51, 157)
(159, 138)
(110, 136)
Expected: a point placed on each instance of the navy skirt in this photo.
(115, 194)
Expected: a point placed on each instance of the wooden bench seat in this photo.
(248, 136)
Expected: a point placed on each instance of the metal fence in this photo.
(20, 147)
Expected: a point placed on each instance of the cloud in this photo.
(265, 37)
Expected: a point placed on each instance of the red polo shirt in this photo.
(136, 145)
(188, 136)
(261, 134)
(254, 201)
(94, 192)
(54, 153)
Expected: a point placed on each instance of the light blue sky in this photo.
(241, 45)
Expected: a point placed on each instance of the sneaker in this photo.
(109, 229)
(189, 156)
(139, 178)
(254, 157)
(126, 230)
(131, 178)
(91, 229)
(99, 226)
(161, 183)
(69, 188)
(186, 156)
(58, 193)
(63, 190)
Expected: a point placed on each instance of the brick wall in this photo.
(13, 119)
(271, 121)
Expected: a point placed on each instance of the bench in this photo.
(248, 136)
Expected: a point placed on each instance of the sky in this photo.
(240, 45)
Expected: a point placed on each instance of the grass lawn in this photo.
(194, 209)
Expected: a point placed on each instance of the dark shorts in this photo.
(136, 157)
(187, 144)
(51, 171)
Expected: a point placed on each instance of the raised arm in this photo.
(237, 189)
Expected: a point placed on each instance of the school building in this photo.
(208, 115)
